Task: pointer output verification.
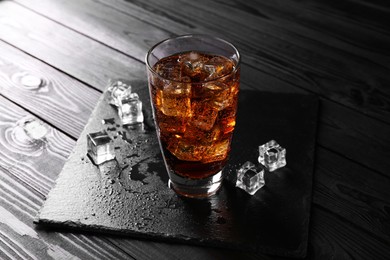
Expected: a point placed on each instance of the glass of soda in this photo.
(194, 84)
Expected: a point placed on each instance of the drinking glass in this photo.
(194, 83)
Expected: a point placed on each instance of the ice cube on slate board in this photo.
(272, 155)
(116, 90)
(100, 147)
(250, 177)
(130, 109)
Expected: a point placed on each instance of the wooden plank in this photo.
(338, 123)
(140, 35)
(24, 154)
(296, 53)
(28, 170)
(62, 48)
(357, 136)
(30, 158)
(20, 239)
(296, 50)
(358, 195)
(334, 238)
(139, 248)
(343, 124)
(153, 250)
(48, 93)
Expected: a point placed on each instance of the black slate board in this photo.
(129, 195)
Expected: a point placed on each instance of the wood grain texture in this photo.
(141, 35)
(63, 101)
(80, 57)
(340, 123)
(153, 250)
(325, 61)
(299, 47)
(337, 50)
(28, 168)
(334, 238)
(357, 195)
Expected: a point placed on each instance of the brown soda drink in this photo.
(193, 84)
(194, 97)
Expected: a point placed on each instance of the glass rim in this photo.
(236, 67)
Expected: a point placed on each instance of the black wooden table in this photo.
(56, 58)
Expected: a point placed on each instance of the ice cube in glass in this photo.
(203, 115)
(192, 63)
(272, 155)
(116, 90)
(250, 177)
(175, 99)
(130, 109)
(217, 67)
(100, 147)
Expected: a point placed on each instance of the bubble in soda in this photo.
(100, 147)
(272, 155)
(116, 90)
(130, 109)
(250, 177)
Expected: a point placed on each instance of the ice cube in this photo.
(130, 109)
(220, 95)
(250, 177)
(169, 70)
(192, 64)
(171, 124)
(203, 115)
(272, 155)
(175, 99)
(185, 150)
(100, 147)
(216, 151)
(116, 90)
(201, 136)
(227, 119)
(217, 67)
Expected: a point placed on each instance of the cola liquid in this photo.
(194, 97)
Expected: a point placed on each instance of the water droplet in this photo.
(93, 214)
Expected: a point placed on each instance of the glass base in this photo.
(196, 188)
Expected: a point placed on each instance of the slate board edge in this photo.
(99, 229)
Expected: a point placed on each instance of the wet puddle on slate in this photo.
(129, 195)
